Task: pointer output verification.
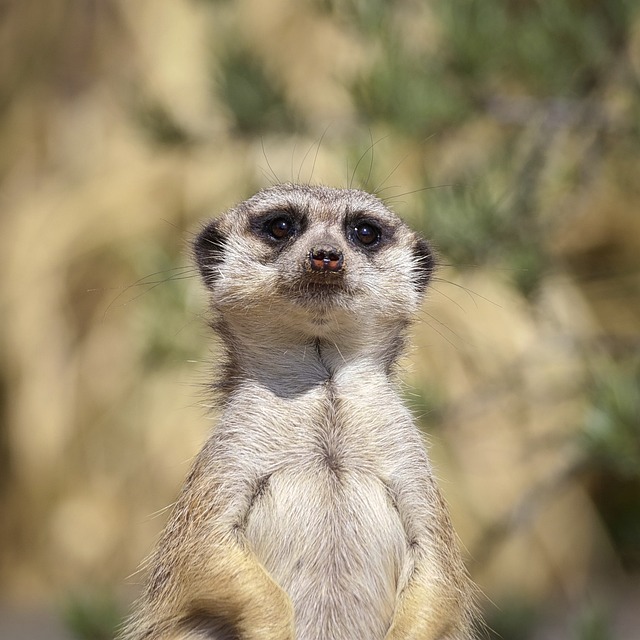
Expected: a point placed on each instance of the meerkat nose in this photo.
(326, 258)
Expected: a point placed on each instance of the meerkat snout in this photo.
(326, 258)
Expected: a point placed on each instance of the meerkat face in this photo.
(306, 255)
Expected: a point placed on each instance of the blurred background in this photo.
(507, 132)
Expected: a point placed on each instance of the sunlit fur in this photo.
(311, 512)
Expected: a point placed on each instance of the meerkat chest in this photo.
(324, 516)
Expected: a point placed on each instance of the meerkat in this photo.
(312, 511)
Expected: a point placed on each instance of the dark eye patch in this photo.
(280, 228)
(368, 232)
(279, 225)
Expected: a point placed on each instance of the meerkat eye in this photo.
(367, 234)
(280, 228)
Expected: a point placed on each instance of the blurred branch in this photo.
(555, 112)
(526, 510)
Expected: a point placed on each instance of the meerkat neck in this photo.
(286, 361)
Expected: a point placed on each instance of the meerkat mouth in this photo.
(317, 289)
(320, 291)
(323, 283)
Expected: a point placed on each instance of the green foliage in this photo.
(92, 616)
(160, 126)
(368, 16)
(513, 620)
(560, 49)
(162, 299)
(412, 91)
(547, 48)
(410, 94)
(610, 438)
(427, 404)
(468, 223)
(611, 430)
(474, 226)
(254, 99)
(594, 624)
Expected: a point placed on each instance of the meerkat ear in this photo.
(208, 251)
(423, 263)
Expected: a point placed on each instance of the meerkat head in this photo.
(309, 259)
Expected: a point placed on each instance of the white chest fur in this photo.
(323, 519)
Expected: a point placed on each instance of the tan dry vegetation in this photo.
(105, 353)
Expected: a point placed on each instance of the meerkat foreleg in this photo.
(226, 592)
(232, 585)
(436, 603)
(205, 582)
(424, 612)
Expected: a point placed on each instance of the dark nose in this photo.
(326, 258)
